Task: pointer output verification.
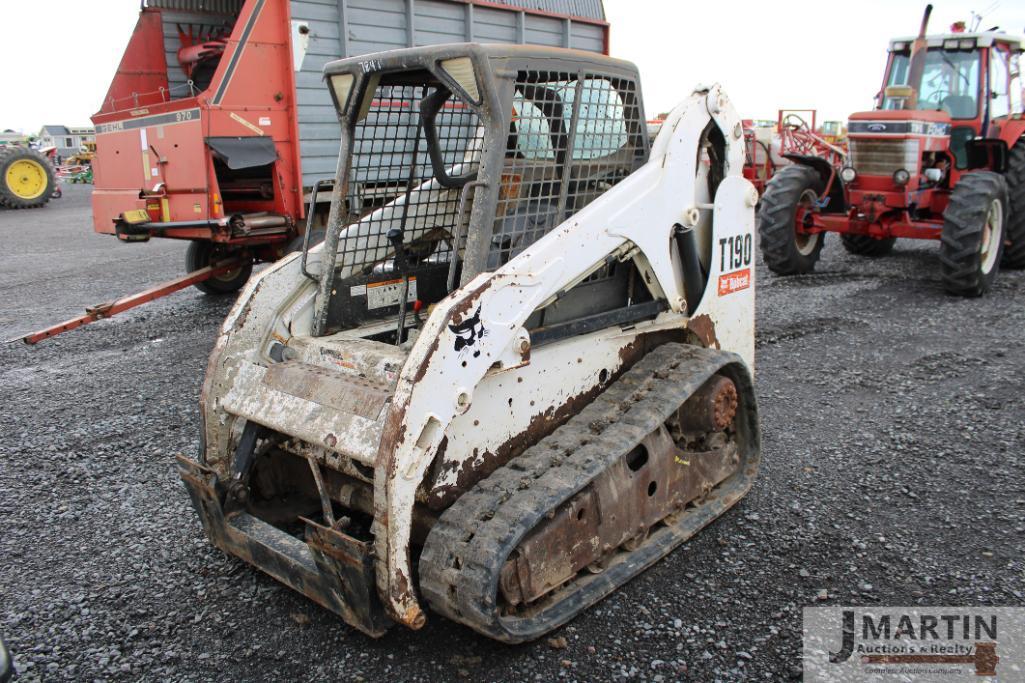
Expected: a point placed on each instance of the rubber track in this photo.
(466, 549)
(1014, 253)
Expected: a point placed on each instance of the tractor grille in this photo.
(883, 157)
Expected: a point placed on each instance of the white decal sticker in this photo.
(245, 123)
(735, 259)
(384, 294)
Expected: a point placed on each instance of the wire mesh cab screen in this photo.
(414, 149)
(573, 136)
(570, 140)
(568, 137)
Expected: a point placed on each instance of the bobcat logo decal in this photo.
(468, 332)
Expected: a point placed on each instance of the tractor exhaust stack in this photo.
(917, 65)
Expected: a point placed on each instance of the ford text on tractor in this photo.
(515, 384)
(942, 156)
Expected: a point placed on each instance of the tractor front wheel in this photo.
(202, 253)
(973, 233)
(26, 178)
(790, 198)
(1014, 244)
(864, 245)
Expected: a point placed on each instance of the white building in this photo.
(11, 137)
(68, 140)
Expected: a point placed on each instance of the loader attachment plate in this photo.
(333, 569)
(348, 394)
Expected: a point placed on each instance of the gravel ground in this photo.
(893, 420)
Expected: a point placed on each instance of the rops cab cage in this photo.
(473, 136)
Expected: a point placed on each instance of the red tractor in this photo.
(942, 156)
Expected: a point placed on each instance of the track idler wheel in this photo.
(711, 408)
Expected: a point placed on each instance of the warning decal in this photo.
(383, 294)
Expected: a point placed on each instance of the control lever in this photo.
(396, 237)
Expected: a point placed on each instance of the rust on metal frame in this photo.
(393, 436)
(703, 328)
(541, 425)
(711, 408)
(333, 569)
(472, 470)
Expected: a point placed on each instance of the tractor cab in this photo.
(943, 98)
(972, 78)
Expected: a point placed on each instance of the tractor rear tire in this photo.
(785, 251)
(202, 253)
(27, 179)
(864, 245)
(972, 239)
(1014, 238)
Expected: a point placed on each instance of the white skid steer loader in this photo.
(517, 371)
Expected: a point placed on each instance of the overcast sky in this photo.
(60, 55)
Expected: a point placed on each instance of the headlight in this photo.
(461, 71)
(341, 84)
(848, 174)
(901, 176)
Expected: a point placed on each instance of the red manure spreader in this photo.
(218, 128)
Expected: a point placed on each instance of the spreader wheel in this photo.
(201, 254)
(26, 178)
(863, 245)
(790, 199)
(973, 233)
(1014, 239)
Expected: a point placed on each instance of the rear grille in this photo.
(883, 157)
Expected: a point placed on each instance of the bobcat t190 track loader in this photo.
(517, 372)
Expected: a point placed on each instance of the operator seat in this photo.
(959, 106)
